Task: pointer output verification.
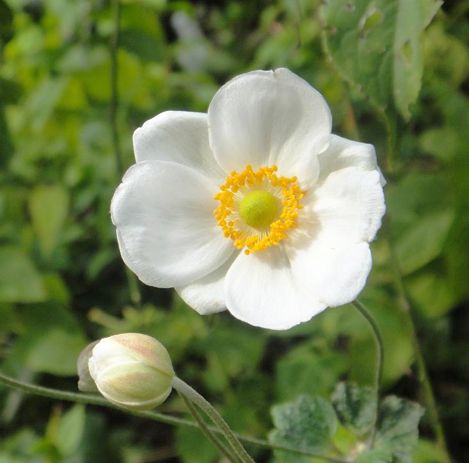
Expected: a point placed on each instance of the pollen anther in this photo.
(237, 186)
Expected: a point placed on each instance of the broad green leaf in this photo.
(432, 293)
(355, 406)
(56, 352)
(398, 427)
(423, 241)
(376, 45)
(70, 430)
(48, 206)
(19, 279)
(308, 424)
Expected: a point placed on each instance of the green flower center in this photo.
(259, 209)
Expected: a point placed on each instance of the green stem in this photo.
(191, 394)
(132, 282)
(91, 399)
(379, 361)
(207, 432)
(114, 103)
(391, 141)
(422, 372)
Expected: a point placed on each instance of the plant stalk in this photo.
(378, 377)
(192, 395)
(207, 432)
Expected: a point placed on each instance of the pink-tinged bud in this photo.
(132, 370)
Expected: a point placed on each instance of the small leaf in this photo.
(48, 206)
(355, 406)
(308, 424)
(398, 427)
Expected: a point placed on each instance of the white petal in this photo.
(261, 290)
(335, 275)
(342, 153)
(180, 137)
(207, 295)
(165, 226)
(347, 206)
(269, 117)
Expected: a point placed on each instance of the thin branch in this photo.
(132, 282)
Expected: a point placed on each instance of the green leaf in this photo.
(376, 45)
(70, 430)
(308, 424)
(398, 427)
(19, 279)
(48, 206)
(56, 352)
(355, 406)
(423, 241)
(432, 293)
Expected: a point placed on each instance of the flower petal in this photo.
(342, 153)
(180, 137)
(207, 295)
(261, 290)
(269, 117)
(165, 226)
(346, 207)
(335, 275)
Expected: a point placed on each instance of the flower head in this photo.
(132, 370)
(254, 207)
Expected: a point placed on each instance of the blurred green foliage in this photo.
(393, 76)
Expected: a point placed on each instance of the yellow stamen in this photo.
(257, 208)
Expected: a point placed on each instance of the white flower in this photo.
(131, 370)
(254, 207)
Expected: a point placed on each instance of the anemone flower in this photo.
(254, 207)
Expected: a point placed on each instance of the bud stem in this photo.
(207, 432)
(192, 395)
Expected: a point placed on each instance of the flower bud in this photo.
(132, 370)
